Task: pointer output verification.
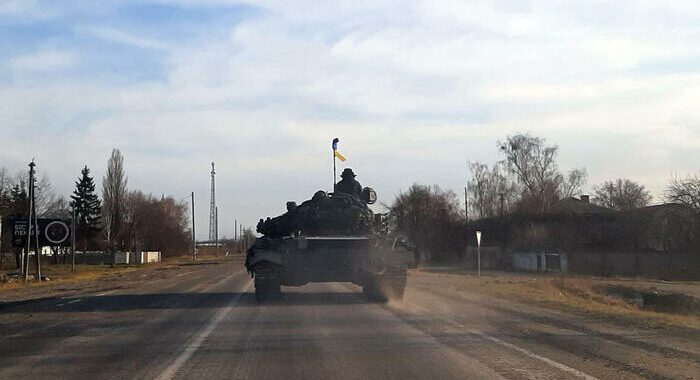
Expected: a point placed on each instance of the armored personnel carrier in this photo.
(333, 237)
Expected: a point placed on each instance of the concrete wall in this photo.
(540, 261)
(666, 265)
(526, 261)
(491, 258)
(94, 257)
(150, 257)
(630, 264)
(98, 257)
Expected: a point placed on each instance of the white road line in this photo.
(192, 347)
(553, 363)
(182, 274)
(78, 300)
(69, 302)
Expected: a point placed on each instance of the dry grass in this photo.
(62, 274)
(579, 293)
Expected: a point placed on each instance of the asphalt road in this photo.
(204, 323)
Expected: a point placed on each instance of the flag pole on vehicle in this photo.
(338, 156)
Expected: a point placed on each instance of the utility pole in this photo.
(2, 256)
(32, 226)
(466, 206)
(72, 239)
(1, 253)
(22, 263)
(36, 228)
(216, 230)
(466, 223)
(502, 209)
(212, 206)
(245, 242)
(29, 221)
(194, 234)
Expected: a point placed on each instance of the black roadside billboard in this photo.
(52, 232)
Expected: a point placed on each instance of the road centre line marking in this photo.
(553, 363)
(80, 299)
(195, 343)
(69, 302)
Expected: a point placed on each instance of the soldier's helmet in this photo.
(348, 173)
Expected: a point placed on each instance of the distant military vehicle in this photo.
(330, 238)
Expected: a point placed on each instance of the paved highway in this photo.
(204, 323)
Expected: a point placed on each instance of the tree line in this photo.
(527, 180)
(121, 219)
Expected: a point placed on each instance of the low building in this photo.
(578, 236)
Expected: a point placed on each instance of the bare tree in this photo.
(58, 208)
(45, 195)
(156, 223)
(534, 163)
(5, 192)
(5, 181)
(491, 192)
(685, 191)
(574, 182)
(431, 220)
(621, 194)
(114, 201)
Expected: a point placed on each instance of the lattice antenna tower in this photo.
(212, 206)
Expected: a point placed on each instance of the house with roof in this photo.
(582, 237)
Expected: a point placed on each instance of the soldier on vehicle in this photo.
(348, 184)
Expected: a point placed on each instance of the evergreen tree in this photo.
(17, 205)
(87, 207)
(18, 201)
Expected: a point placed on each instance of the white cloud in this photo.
(42, 61)
(28, 9)
(122, 37)
(412, 89)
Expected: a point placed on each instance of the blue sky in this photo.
(412, 89)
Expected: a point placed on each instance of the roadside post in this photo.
(478, 252)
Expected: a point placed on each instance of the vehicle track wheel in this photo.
(267, 282)
(390, 285)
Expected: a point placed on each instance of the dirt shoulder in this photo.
(95, 278)
(614, 299)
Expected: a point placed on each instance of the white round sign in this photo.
(57, 232)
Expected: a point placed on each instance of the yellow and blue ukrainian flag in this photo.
(335, 150)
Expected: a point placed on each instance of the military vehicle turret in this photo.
(333, 237)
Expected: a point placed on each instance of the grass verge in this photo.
(62, 273)
(582, 294)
